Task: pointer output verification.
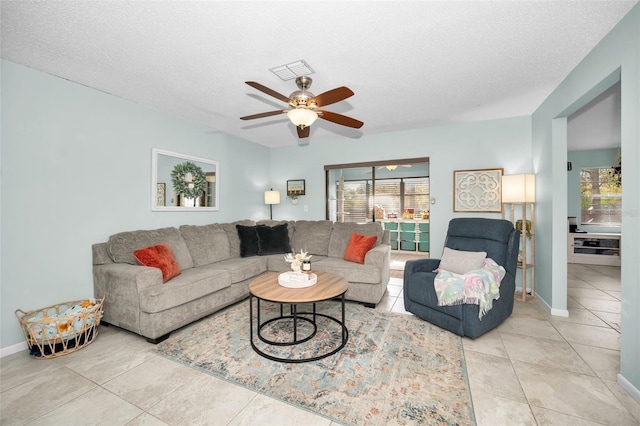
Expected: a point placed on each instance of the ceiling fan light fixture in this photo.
(391, 168)
(302, 117)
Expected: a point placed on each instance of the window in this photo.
(416, 194)
(390, 196)
(388, 199)
(600, 197)
(356, 205)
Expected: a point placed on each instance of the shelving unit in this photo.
(594, 248)
(520, 190)
(408, 235)
(527, 244)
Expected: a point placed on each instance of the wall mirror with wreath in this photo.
(181, 182)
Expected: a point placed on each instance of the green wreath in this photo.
(182, 187)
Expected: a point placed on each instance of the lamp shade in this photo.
(519, 188)
(302, 116)
(272, 197)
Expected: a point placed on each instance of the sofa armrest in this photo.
(135, 277)
(386, 237)
(420, 265)
(120, 285)
(378, 255)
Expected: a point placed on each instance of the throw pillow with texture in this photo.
(232, 234)
(273, 239)
(248, 240)
(159, 256)
(358, 247)
(461, 262)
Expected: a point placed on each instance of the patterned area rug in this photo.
(395, 368)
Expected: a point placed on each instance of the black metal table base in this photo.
(295, 316)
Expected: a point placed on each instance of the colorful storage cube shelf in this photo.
(408, 235)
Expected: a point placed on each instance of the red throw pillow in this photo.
(159, 256)
(358, 247)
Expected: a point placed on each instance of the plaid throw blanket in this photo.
(479, 287)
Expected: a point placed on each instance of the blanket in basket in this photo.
(479, 287)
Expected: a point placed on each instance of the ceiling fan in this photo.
(305, 105)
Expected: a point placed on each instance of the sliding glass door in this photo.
(395, 192)
(365, 192)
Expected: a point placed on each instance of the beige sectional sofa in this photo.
(215, 275)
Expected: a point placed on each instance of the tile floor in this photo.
(533, 369)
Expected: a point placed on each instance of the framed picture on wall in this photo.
(478, 191)
(161, 194)
(295, 187)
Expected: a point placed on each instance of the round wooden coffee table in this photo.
(266, 288)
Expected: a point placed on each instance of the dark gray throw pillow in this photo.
(248, 240)
(273, 239)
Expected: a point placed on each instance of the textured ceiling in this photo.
(410, 64)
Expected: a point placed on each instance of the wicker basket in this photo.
(61, 329)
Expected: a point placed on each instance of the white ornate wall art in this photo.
(477, 191)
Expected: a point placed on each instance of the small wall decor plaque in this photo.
(477, 191)
(295, 187)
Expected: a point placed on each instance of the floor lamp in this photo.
(271, 197)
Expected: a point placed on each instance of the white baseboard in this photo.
(552, 311)
(10, 350)
(629, 388)
(560, 312)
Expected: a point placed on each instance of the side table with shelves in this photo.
(527, 243)
(594, 248)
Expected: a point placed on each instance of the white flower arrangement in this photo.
(296, 259)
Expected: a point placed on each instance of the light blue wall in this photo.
(76, 167)
(616, 58)
(587, 159)
(488, 144)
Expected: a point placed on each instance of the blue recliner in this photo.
(501, 242)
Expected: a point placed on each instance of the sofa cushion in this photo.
(352, 272)
(159, 256)
(461, 262)
(341, 235)
(276, 262)
(122, 245)
(185, 288)
(206, 243)
(312, 236)
(273, 239)
(232, 234)
(358, 247)
(241, 268)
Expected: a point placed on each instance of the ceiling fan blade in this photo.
(340, 119)
(303, 132)
(332, 96)
(268, 91)
(263, 114)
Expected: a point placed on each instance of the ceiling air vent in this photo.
(292, 70)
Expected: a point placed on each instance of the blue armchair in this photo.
(501, 242)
